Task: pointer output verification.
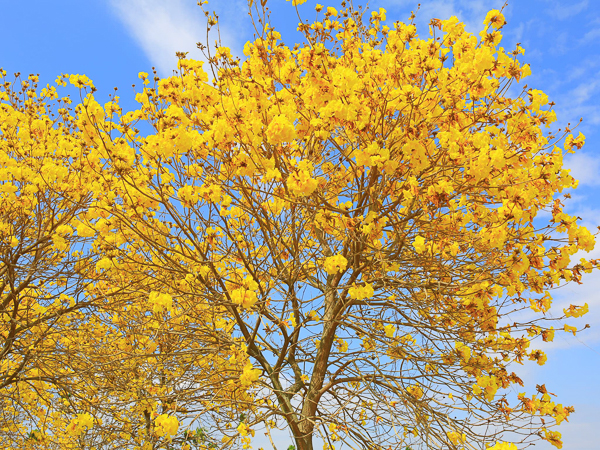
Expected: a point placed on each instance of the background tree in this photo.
(363, 212)
(91, 355)
(45, 188)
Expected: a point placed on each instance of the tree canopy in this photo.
(340, 238)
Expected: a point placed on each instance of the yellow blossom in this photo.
(160, 301)
(249, 375)
(494, 17)
(415, 391)
(419, 244)
(166, 425)
(390, 330)
(335, 264)
(280, 130)
(361, 292)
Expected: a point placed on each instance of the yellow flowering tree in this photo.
(48, 177)
(362, 213)
(331, 238)
(92, 349)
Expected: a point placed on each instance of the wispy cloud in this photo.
(585, 168)
(517, 33)
(563, 10)
(582, 69)
(581, 101)
(562, 43)
(163, 28)
(591, 36)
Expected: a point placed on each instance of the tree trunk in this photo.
(304, 442)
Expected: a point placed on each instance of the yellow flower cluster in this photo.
(503, 446)
(245, 296)
(249, 375)
(416, 391)
(390, 330)
(464, 351)
(495, 18)
(456, 438)
(166, 425)
(335, 264)
(341, 345)
(245, 430)
(372, 155)
(554, 437)
(300, 182)
(80, 81)
(280, 130)
(80, 424)
(419, 244)
(160, 301)
(361, 292)
(488, 385)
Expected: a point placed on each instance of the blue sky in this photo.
(112, 40)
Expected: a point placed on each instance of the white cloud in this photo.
(590, 36)
(580, 102)
(517, 33)
(585, 168)
(563, 10)
(584, 91)
(582, 69)
(562, 43)
(163, 28)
